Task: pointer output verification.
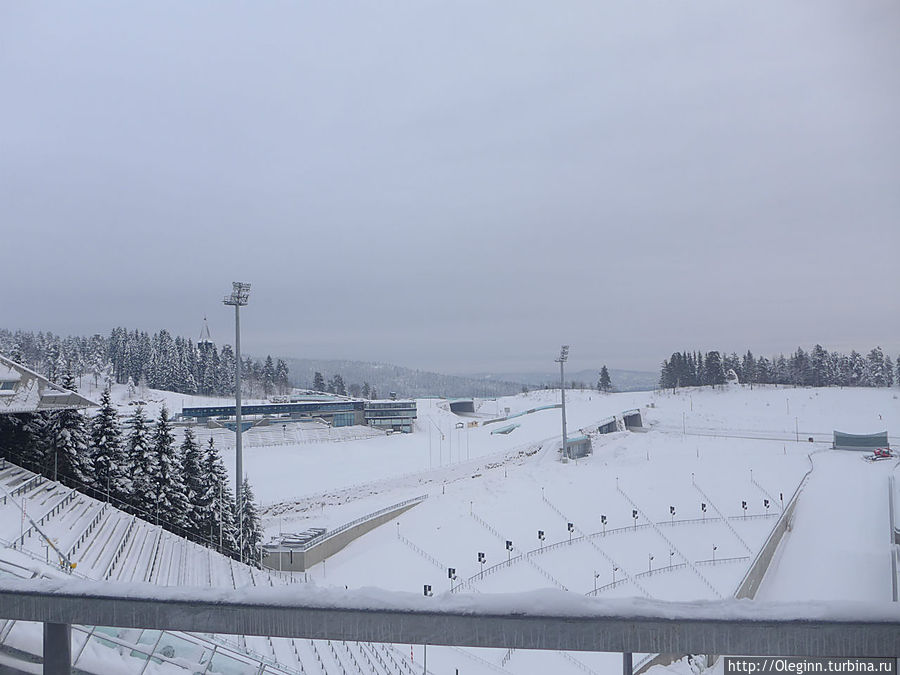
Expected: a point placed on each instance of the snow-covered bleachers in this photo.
(106, 543)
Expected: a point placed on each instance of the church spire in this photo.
(204, 334)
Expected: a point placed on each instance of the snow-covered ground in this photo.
(715, 447)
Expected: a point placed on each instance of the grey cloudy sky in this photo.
(456, 186)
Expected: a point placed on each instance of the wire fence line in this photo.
(672, 546)
(721, 515)
(590, 541)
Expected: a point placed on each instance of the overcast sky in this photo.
(456, 186)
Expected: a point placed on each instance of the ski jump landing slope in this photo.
(839, 545)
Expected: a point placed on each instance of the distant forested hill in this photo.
(622, 380)
(386, 378)
(408, 382)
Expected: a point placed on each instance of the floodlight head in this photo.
(563, 354)
(240, 294)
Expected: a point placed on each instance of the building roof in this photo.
(24, 391)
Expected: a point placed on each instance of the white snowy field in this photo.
(719, 447)
(714, 447)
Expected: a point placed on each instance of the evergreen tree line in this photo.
(815, 368)
(158, 361)
(140, 469)
(335, 385)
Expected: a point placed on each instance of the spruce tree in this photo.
(282, 377)
(605, 384)
(167, 482)
(268, 377)
(712, 370)
(140, 465)
(21, 439)
(66, 442)
(215, 514)
(191, 461)
(107, 452)
(251, 538)
(748, 369)
(318, 382)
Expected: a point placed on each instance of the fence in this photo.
(560, 621)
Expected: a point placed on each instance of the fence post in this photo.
(57, 649)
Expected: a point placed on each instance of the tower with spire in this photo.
(205, 342)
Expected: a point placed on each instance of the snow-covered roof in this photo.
(34, 393)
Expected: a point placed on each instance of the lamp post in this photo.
(563, 357)
(240, 295)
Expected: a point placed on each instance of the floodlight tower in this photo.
(240, 295)
(563, 357)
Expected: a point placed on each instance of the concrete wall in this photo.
(751, 581)
(304, 559)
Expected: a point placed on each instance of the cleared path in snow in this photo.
(839, 546)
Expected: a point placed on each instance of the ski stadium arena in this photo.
(722, 523)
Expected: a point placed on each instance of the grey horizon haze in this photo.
(457, 187)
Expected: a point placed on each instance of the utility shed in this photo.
(578, 447)
(843, 441)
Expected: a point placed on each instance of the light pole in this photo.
(563, 357)
(240, 295)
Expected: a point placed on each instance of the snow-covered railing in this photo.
(120, 549)
(26, 485)
(723, 561)
(430, 558)
(663, 569)
(546, 619)
(86, 531)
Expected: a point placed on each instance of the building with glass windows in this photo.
(391, 415)
(387, 415)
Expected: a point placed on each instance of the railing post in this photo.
(627, 665)
(57, 649)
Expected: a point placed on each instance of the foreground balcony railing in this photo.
(533, 620)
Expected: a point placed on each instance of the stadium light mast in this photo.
(240, 295)
(563, 357)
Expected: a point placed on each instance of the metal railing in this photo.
(558, 621)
